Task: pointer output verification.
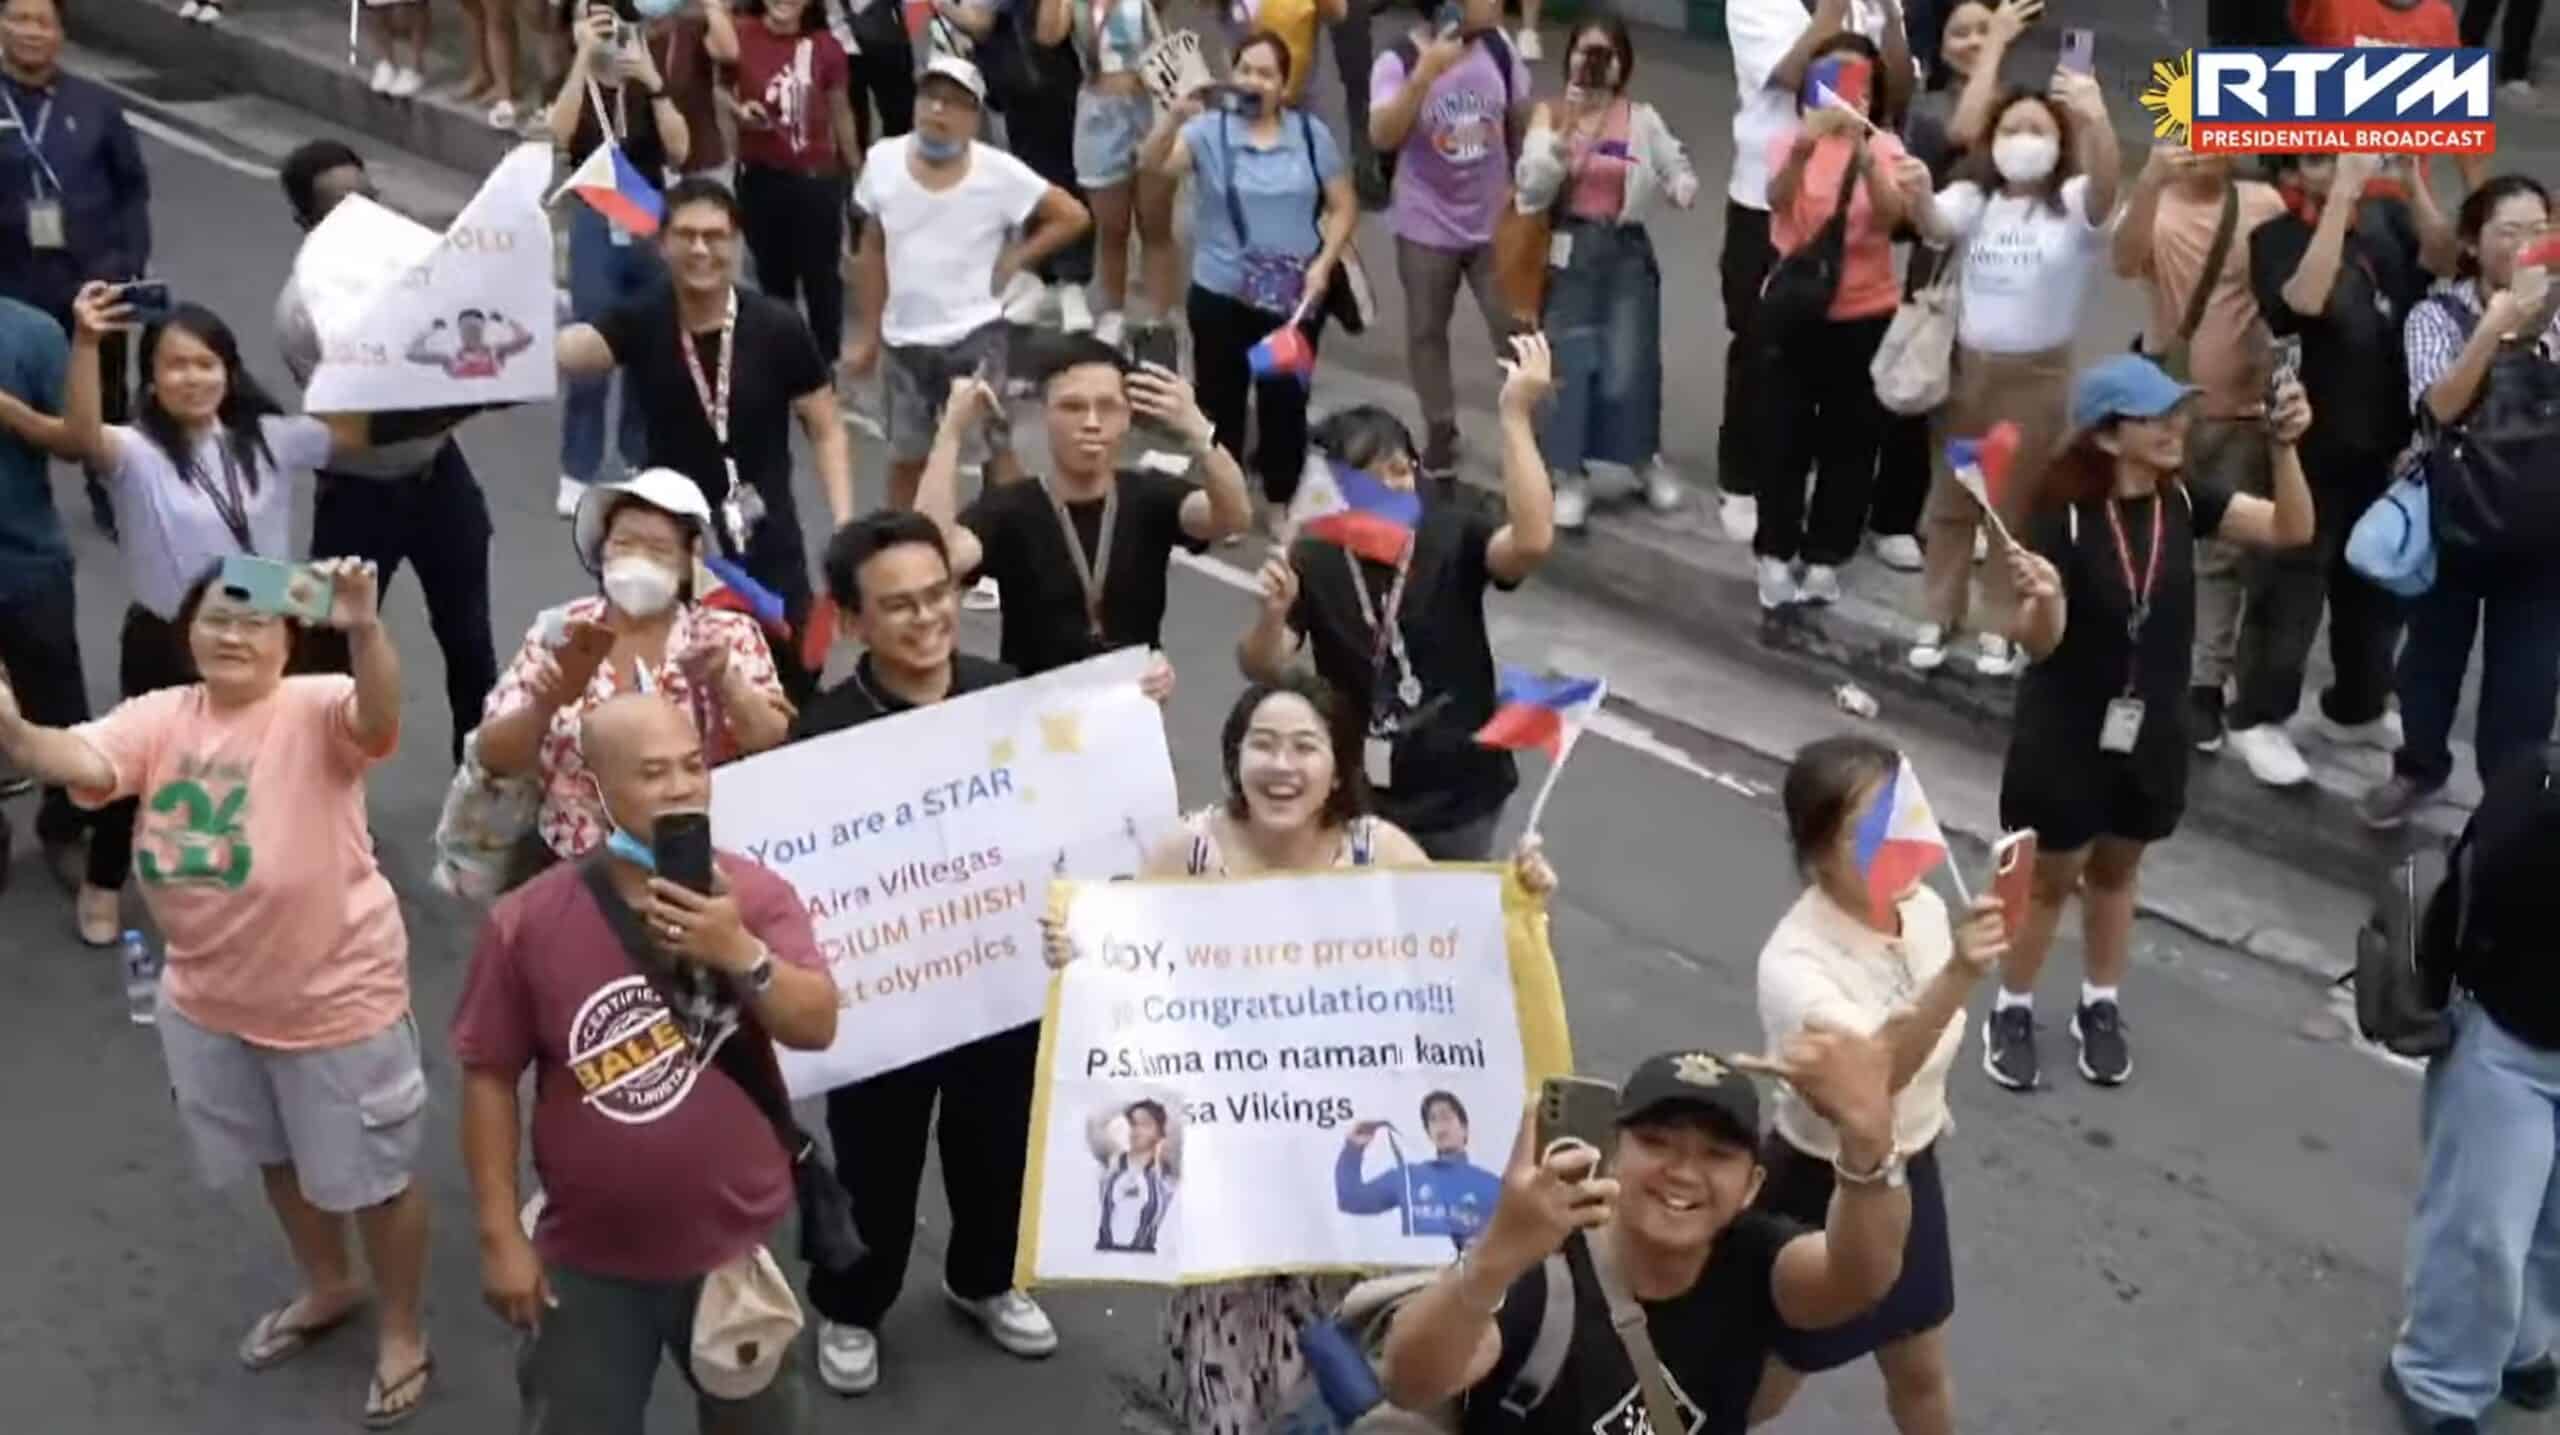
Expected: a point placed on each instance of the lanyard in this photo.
(714, 392)
(618, 127)
(229, 503)
(1386, 631)
(2140, 613)
(1093, 568)
(34, 136)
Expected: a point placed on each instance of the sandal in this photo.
(271, 1342)
(379, 1412)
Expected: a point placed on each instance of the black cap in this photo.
(1696, 1080)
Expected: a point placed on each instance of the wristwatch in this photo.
(1889, 1172)
(759, 973)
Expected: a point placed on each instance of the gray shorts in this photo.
(917, 382)
(1108, 131)
(348, 1119)
(589, 1369)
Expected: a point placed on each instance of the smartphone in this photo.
(1578, 1108)
(148, 298)
(1228, 99)
(295, 590)
(2079, 51)
(2286, 368)
(1449, 19)
(2013, 870)
(681, 842)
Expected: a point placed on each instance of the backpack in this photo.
(1345, 1350)
(2493, 477)
(1409, 55)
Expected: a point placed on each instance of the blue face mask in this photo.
(938, 151)
(618, 843)
(656, 9)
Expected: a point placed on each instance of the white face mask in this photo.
(2024, 158)
(641, 587)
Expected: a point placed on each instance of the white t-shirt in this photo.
(2026, 270)
(1823, 962)
(942, 244)
(1761, 32)
(169, 527)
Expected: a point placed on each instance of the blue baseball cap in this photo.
(2124, 386)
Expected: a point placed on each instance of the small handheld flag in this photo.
(739, 593)
(1981, 467)
(1285, 352)
(614, 188)
(2540, 253)
(1897, 841)
(1844, 81)
(1545, 713)
(1353, 509)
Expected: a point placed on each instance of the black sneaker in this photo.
(2417, 1419)
(2009, 1047)
(2531, 1387)
(2204, 718)
(2099, 1028)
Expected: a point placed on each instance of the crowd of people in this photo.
(2154, 564)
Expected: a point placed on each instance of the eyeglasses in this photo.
(701, 238)
(917, 606)
(246, 625)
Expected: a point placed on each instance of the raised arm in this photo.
(1528, 531)
(1165, 151)
(2101, 158)
(355, 608)
(2314, 279)
(1830, 1276)
(52, 755)
(1355, 1197)
(719, 33)
(95, 311)
(938, 487)
(1266, 649)
(1391, 123)
(2285, 521)
(1968, 128)
(2130, 251)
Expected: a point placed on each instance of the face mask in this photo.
(938, 151)
(656, 9)
(621, 844)
(641, 587)
(2025, 158)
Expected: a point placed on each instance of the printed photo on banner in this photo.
(1283, 1074)
(923, 846)
(411, 319)
(1174, 67)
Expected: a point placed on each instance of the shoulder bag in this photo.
(1798, 292)
(2176, 361)
(2493, 478)
(1914, 367)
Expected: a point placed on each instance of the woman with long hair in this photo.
(1113, 115)
(1602, 163)
(2026, 222)
(797, 147)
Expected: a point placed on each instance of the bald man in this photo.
(659, 1169)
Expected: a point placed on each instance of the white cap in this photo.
(958, 71)
(660, 488)
(743, 1324)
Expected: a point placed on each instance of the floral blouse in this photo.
(572, 821)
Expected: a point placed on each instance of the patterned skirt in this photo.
(1231, 1351)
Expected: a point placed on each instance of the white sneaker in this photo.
(1075, 315)
(2272, 757)
(1012, 1320)
(407, 82)
(1573, 502)
(2383, 732)
(1997, 658)
(1109, 327)
(572, 492)
(1023, 297)
(1740, 515)
(983, 597)
(1527, 44)
(1821, 584)
(1898, 551)
(1777, 584)
(383, 77)
(1929, 649)
(1663, 489)
(502, 115)
(208, 14)
(188, 10)
(848, 1358)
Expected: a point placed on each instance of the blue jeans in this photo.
(2484, 1245)
(1604, 319)
(2516, 609)
(603, 276)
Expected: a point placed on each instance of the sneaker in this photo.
(2384, 732)
(1075, 315)
(983, 597)
(848, 1358)
(1898, 551)
(1023, 298)
(572, 493)
(208, 13)
(98, 915)
(1929, 649)
(1995, 657)
(1821, 585)
(1663, 489)
(1777, 584)
(1012, 1320)
(1531, 52)
(407, 82)
(2416, 1418)
(2271, 756)
(2204, 717)
(1573, 502)
(383, 75)
(2009, 1047)
(188, 10)
(2520, 91)
(1740, 515)
(2391, 802)
(1109, 327)
(502, 115)
(2531, 1387)
(2104, 1058)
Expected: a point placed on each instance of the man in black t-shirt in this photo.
(721, 372)
(2342, 281)
(1080, 557)
(1672, 1219)
(889, 575)
(1427, 683)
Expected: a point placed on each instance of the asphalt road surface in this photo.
(2214, 1248)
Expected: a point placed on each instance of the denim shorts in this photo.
(1108, 131)
(916, 380)
(348, 1119)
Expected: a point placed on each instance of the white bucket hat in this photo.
(660, 488)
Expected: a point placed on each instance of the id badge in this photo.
(1378, 761)
(1559, 250)
(621, 237)
(44, 224)
(2122, 727)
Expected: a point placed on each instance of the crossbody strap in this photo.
(2225, 230)
(1626, 1317)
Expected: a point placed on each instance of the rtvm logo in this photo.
(2370, 100)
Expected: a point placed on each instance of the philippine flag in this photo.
(1545, 713)
(1840, 80)
(738, 593)
(1284, 351)
(1362, 514)
(1898, 841)
(2543, 253)
(613, 188)
(1982, 464)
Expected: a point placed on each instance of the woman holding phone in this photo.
(1902, 975)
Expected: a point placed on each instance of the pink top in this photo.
(253, 855)
(1597, 190)
(1867, 285)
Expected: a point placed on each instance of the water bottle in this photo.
(141, 980)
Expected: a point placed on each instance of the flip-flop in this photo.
(271, 1342)
(377, 1397)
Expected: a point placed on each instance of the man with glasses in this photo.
(722, 371)
(889, 575)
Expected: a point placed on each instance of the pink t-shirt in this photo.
(254, 857)
(1867, 285)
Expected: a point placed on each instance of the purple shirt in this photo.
(1455, 166)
